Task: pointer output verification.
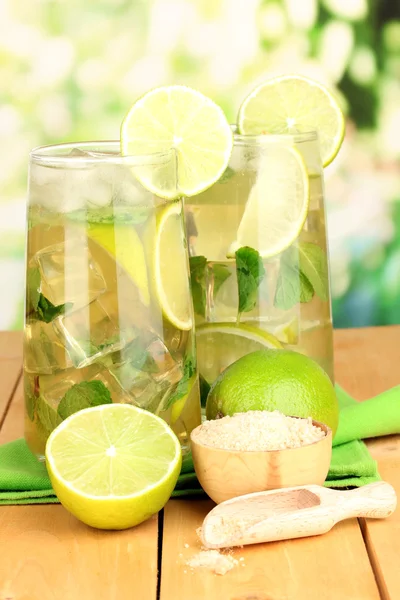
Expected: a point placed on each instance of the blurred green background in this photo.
(69, 70)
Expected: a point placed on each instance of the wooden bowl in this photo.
(225, 474)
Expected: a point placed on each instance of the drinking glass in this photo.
(289, 305)
(108, 307)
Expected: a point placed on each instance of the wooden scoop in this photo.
(292, 513)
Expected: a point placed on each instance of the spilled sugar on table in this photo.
(46, 554)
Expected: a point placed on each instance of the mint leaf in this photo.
(250, 273)
(47, 416)
(183, 385)
(313, 264)
(83, 395)
(198, 267)
(292, 287)
(33, 288)
(47, 312)
(306, 289)
(220, 273)
(198, 284)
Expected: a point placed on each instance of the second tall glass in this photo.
(289, 302)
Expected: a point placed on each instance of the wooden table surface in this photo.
(46, 554)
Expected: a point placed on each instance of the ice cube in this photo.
(146, 370)
(43, 349)
(94, 331)
(69, 273)
(140, 387)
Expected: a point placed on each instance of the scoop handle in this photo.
(373, 501)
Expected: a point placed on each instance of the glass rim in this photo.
(262, 139)
(55, 154)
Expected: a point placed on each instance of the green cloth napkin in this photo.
(24, 480)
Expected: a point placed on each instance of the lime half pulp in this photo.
(113, 466)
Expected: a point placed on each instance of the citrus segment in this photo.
(113, 466)
(294, 104)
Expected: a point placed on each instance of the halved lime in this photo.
(113, 466)
(294, 104)
(228, 342)
(179, 117)
(169, 266)
(123, 243)
(277, 206)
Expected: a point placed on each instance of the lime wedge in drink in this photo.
(277, 206)
(179, 117)
(294, 104)
(114, 465)
(179, 405)
(165, 243)
(122, 241)
(229, 342)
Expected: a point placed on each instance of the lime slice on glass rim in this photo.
(113, 466)
(277, 205)
(294, 104)
(229, 342)
(165, 243)
(182, 118)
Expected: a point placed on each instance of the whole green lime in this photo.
(275, 380)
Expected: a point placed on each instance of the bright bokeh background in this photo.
(69, 70)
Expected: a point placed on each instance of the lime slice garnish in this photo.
(294, 104)
(113, 466)
(170, 271)
(123, 243)
(277, 206)
(179, 117)
(228, 342)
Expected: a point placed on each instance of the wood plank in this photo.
(383, 537)
(10, 371)
(10, 344)
(50, 554)
(326, 567)
(366, 364)
(13, 425)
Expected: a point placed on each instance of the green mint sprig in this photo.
(303, 272)
(38, 306)
(249, 272)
